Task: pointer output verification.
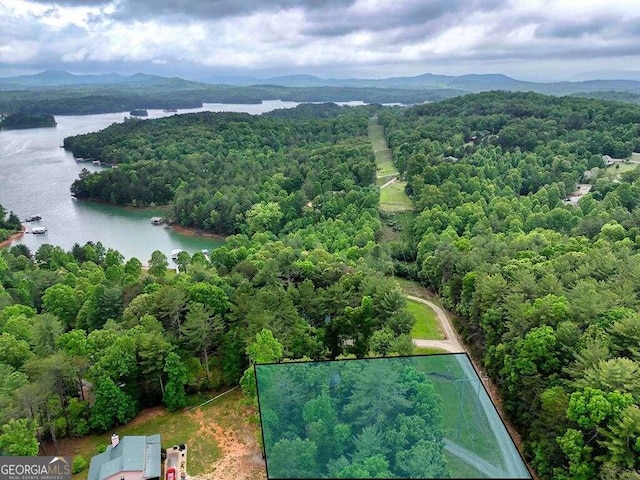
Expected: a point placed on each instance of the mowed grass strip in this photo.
(427, 326)
(416, 289)
(384, 160)
(393, 198)
(463, 419)
(427, 351)
(461, 468)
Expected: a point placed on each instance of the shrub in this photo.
(79, 464)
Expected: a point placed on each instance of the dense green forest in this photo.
(24, 120)
(119, 98)
(616, 96)
(544, 283)
(237, 173)
(141, 337)
(145, 336)
(352, 419)
(545, 291)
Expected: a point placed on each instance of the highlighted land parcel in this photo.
(400, 417)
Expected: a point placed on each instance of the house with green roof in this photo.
(129, 458)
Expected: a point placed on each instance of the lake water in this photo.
(35, 176)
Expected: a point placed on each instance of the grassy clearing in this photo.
(462, 469)
(621, 167)
(393, 198)
(384, 160)
(194, 428)
(416, 289)
(463, 419)
(426, 351)
(382, 180)
(427, 326)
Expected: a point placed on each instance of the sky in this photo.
(539, 40)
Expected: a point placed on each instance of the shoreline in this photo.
(126, 207)
(195, 232)
(15, 236)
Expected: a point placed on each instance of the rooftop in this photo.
(133, 453)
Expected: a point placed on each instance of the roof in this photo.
(133, 453)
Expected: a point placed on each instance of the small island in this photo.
(139, 112)
(15, 121)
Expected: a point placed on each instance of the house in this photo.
(132, 458)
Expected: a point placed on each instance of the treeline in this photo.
(16, 121)
(545, 290)
(9, 224)
(107, 99)
(236, 173)
(83, 327)
(626, 97)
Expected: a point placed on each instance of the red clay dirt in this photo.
(241, 458)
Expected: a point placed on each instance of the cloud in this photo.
(579, 28)
(214, 9)
(324, 37)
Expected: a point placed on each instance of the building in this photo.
(132, 458)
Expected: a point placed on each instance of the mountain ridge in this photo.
(474, 82)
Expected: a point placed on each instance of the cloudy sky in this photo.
(527, 39)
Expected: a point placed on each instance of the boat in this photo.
(175, 253)
(157, 220)
(39, 230)
(97, 162)
(34, 218)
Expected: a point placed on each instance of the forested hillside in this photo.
(544, 281)
(20, 121)
(177, 93)
(232, 173)
(141, 337)
(546, 289)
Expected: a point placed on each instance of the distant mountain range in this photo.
(470, 83)
(427, 81)
(58, 78)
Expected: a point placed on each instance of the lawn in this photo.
(426, 351)
(462, 469)
(427, 326)
(621, 167)
(463, 419)
(416, 289)
(203, 430)
(393, 198)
